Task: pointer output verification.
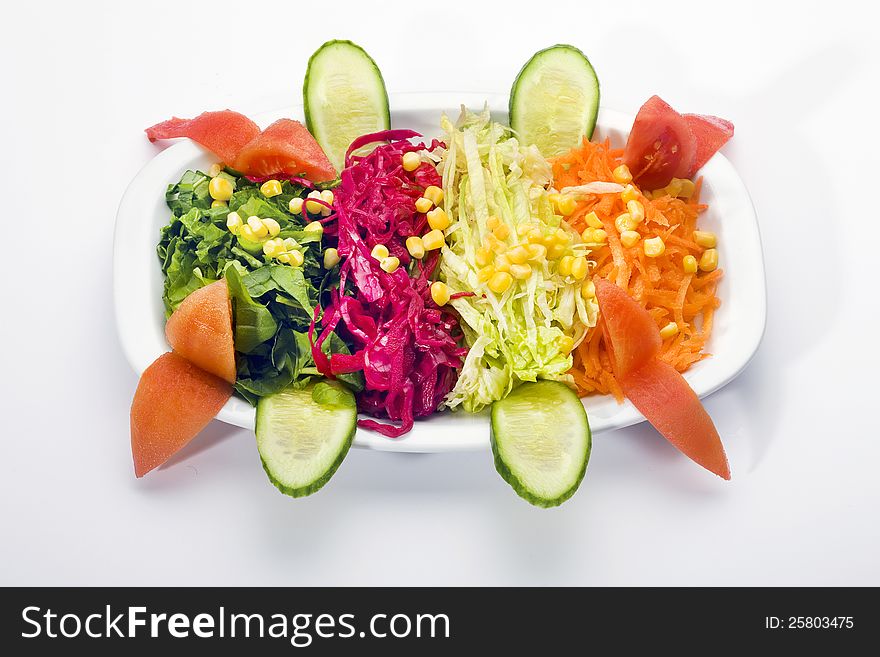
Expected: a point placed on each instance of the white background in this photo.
(82, 80)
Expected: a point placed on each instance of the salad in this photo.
(342, 275)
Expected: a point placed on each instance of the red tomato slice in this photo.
(660, 146)
(223, 133)
(711, 133)
(287, 147)
(631, 335)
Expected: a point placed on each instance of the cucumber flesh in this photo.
(303, 435)
(554, 100)
(541, 441)
(344, 97)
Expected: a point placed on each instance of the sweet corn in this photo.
(629, 238)
(424, 204)
(593, 220)
(502, 263)
(433, 194)
(257, 226)
(654, 247)
(233, 222)
(689, 264)
(564, 266)
(562, 236)
(520, 272)
(705, 239)
(327, 196)
(622, 175)
(566, 204)
(272, 226)
(290, 244)
(270, 188)
(245, 232)
(220, 189)
(295, 258)
(283, 258)
(483, 256)
(709, 260)
(537, 251)
(500, 282)
(556, 251)
(579, 268)
(523, 230)
(218, 204)
(628, 194)
(433, 240)
(493, 222)
(331, 258)
(314, 227)
(411, 161)
(438, 219)
(295, 205)
(440, 293)
(379, 251)
(636, 211)
(687, 188)
(273, 247)
(673, 189)
(518, 254)
(669, 331)
(624, 222)
(566, 344)
(485, 273)
(495, 244)
(215, 170)
(588, 290)
(502, 232)
(311, 206)
(415, 247)
(389, 264)
(599, 236)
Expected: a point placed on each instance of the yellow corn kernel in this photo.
(588, 290)
(389, 264)
(564, 267)
(537, 251)
(314, 227)
(290, 244)
(502, 263)
(218, 204)
(535, 236)
(518, 254)
(587, 234)
(440, 293)
(628, 194)
(579, 268)
(599, 236)
(593, 220)
(566, 204)
(520, 272)
(689, 264)
(270, 188)
(327, 196)
(709, 260)
(629, 238)
(654, 247)
(523, 230)
(438, 219)
(220, 189)
(687, 188)
(433, 240)
(296, 205)
(215, 170)
(485, 273)
(424, 204)
(257, 226)
(705, 239)
(233, 222)
(622, 175)
(673, 189)
(296, 258)
(272, 226)
(283, 258)
(624, 222)
(272, 247)
(331, 258)
(411, 161)
(502, 231)
(556, 251)
(415, 247)
(500, 281)
(566, 344)
(311, 206)
(562, 236)
(483, 256)
(495, 244)
(379, 252)
(245, 232)
(433, 194)
(636, 211)
(669, 331)
(493, 222)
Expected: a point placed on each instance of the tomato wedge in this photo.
(660, 146)
(223, 133)
(286, 147)
(654, 387)
(711, 134)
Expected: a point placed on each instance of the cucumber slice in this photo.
(303, 435)
(541, 441)
(554, 100)
(344, 97)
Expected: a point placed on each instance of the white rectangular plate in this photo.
(738, 325)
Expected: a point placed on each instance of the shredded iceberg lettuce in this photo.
(527, 331)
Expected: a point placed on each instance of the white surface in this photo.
(799, 424)
(737, 328)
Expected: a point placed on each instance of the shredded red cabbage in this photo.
(405, 345)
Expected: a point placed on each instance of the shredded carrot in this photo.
(659, 284)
